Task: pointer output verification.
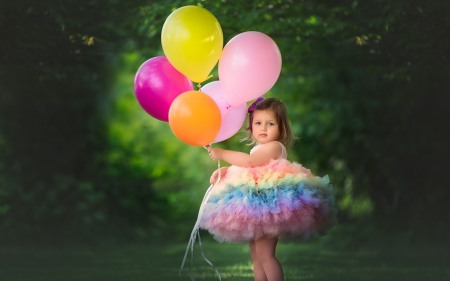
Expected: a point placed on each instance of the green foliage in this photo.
(56, 58)
(365, 83)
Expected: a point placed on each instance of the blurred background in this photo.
(366, 84)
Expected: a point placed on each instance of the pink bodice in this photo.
(283, 150)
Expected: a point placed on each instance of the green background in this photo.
(86, 176)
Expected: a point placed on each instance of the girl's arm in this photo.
(263, 155)
(215, 175)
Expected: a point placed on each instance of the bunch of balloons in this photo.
(192, 41)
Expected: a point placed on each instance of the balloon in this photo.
(195, 118)
(192, 40)
(249, 66)
(214, 90)
(156, 84)
(233, 121)
(232, 117)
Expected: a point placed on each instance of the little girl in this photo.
(263, 196)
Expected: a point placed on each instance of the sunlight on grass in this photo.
(239, 270)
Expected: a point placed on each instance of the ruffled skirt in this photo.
(280, 199)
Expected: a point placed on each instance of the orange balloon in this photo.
(194, 118)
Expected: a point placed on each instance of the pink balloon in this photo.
(232, 123)
(214, 90)
(249, 66)
(156, 84)
(232, 117)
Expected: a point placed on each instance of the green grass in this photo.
(161, 261)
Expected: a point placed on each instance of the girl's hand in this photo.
(215, 175)
(215, 153)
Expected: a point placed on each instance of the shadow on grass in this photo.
(161, 261)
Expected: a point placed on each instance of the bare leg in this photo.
(258, 270)
(265, 251)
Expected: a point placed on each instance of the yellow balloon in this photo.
(192, 41)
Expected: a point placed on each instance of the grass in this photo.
(161, 261)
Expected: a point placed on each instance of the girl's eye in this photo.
(257, 123)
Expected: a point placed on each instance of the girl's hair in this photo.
(284, 127)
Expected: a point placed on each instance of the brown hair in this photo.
(277, 107)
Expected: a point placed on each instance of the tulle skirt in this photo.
(280, 199)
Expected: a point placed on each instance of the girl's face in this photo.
(264, 126)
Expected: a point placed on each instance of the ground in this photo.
(162, 260)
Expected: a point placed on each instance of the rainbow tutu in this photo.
(280, 199)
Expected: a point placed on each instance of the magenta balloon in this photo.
(214, 90)
(249, 66)
(156, 84)
(232, 123)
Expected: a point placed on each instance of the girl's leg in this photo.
(265, 251)
(258, 270)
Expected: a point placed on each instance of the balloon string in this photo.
(199, 86)
(195, 232)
